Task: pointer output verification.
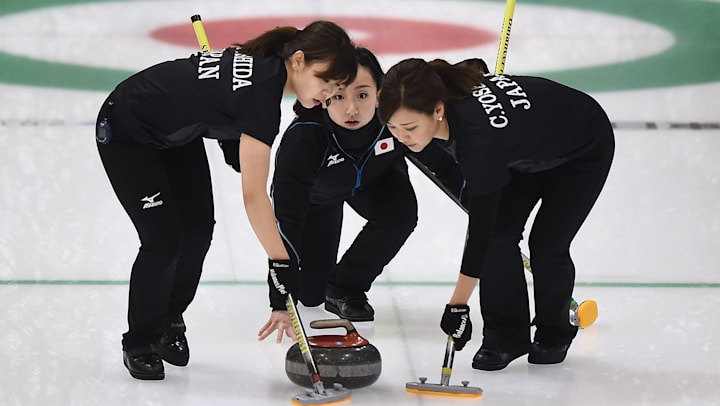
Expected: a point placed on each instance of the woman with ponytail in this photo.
(518, 140)
(150, 134)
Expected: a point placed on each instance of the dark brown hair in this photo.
(419, 85)
(320, 41)
(475, 63)
(367, 59)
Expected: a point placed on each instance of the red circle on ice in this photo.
(381, 35)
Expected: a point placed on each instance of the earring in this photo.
(440, 118)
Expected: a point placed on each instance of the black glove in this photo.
(282, 279)
(456, 323)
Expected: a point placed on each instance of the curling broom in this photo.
(318, 395)
(444, 388)
(200, 33)
(505, 36)
(581, 314)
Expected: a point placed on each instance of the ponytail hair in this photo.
(270, 43)
(419, 85)
(476, 64)
(320, 41)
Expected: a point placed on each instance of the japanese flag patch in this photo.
(384, 145)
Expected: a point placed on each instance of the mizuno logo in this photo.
(150, 201)
(334, 159)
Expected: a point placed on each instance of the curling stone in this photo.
(349, 359)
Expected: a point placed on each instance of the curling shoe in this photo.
(489, 359)
(350, 308)
(144, 363)
(172, 345)
(547, 354)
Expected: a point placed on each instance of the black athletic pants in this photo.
(567, 194)
(390, 208)
(168, 196)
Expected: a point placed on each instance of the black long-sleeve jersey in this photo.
(442, 169)
(319, 162)
(219, 94)
(527, 124)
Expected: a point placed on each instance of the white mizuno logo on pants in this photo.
(151, 202)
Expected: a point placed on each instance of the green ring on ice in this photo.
(693, 59)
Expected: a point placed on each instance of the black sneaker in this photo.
(547, 354)
(172, 345)
(350, 308)
(489, 359)
(144, 363)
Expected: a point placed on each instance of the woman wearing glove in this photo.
(518, 140)
(150, 138)
(328, 158)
